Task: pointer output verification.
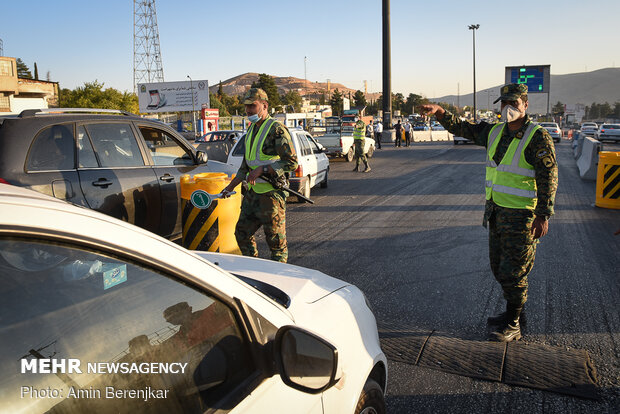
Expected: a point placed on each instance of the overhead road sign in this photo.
(537, 78)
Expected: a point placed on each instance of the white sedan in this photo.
(101, 316)
(313, 164)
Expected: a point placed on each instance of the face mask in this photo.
(510, 113)
(254, 118)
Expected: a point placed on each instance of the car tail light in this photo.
(3, 181)
(602, 131)
(299, 172)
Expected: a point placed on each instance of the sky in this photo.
(80, 41)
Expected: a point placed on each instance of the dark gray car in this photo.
(119, 164)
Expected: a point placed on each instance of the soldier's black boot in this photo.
(510, 330)
(501, 318)
(357, 168)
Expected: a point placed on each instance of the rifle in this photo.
(281, 184)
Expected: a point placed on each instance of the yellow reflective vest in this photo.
(254, 155)
(512, 183)
(358, 132)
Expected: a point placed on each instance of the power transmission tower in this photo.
(147, 65)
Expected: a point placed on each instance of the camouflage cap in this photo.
(253, 95)
(512, 92)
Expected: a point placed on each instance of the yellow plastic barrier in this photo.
(209, 224)
(608, 180)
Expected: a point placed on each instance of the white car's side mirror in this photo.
(305, 361)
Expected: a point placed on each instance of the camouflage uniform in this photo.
(266, 209)
(512, 247)
(360, 156)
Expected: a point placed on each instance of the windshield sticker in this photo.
(114, 274)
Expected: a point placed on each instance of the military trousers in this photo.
(512, 250)
(269, 211)
(359, 152)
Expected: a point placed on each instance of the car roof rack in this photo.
(55, 111)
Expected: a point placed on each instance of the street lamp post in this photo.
(191, 87)
(473, 28)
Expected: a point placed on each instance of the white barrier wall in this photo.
(588, 160)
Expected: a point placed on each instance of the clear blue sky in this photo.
(79, 41)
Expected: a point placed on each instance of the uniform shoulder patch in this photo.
(279, 130)
(547, 162)
(542, 153)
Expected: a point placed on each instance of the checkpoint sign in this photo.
(201, 199)
(537, 78)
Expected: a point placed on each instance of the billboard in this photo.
(537, 78)
(173, 96)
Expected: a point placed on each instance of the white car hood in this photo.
(301, 284)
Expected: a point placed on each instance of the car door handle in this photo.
(102, 182)
(167, 178)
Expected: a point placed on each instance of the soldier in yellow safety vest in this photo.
(268, 151)
(358, 141)
(521, 182)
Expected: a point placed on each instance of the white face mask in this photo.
(510, 113)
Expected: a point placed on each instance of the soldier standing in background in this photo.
(521, 182)
(268, 150)
(358, 141)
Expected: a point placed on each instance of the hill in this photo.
(239, 84)
(598, 86)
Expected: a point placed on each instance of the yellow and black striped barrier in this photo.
(608, 180)
(209, 222)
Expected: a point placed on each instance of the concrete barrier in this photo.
(422, 136)
(589, 158)
(441, 136)
(579, 147)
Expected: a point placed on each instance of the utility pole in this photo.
(191, 87)
(387, 67)
(305, 77)
(473, 28)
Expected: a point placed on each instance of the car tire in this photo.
(371, 400)
(350, 155)
(324, 182)
(371, 152)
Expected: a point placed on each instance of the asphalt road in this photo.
(410, 235)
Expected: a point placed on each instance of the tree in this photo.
(322, 99)
(92, 95)
(558, 109)
(36, 71)
(336, 103)
(217, 104)
(232, 104)
(616, 113)
(266, 83)
(22, 69)
(413, 101)
(292, 98)
(359, 100)
(219, 90)
(398, 101)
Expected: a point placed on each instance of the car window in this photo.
(165, 150)
(313, 144)
(611, 126)
(115, 145)
(52, 149)
(240, 148)
(305, 147)
(86, 153)
(128, 326)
